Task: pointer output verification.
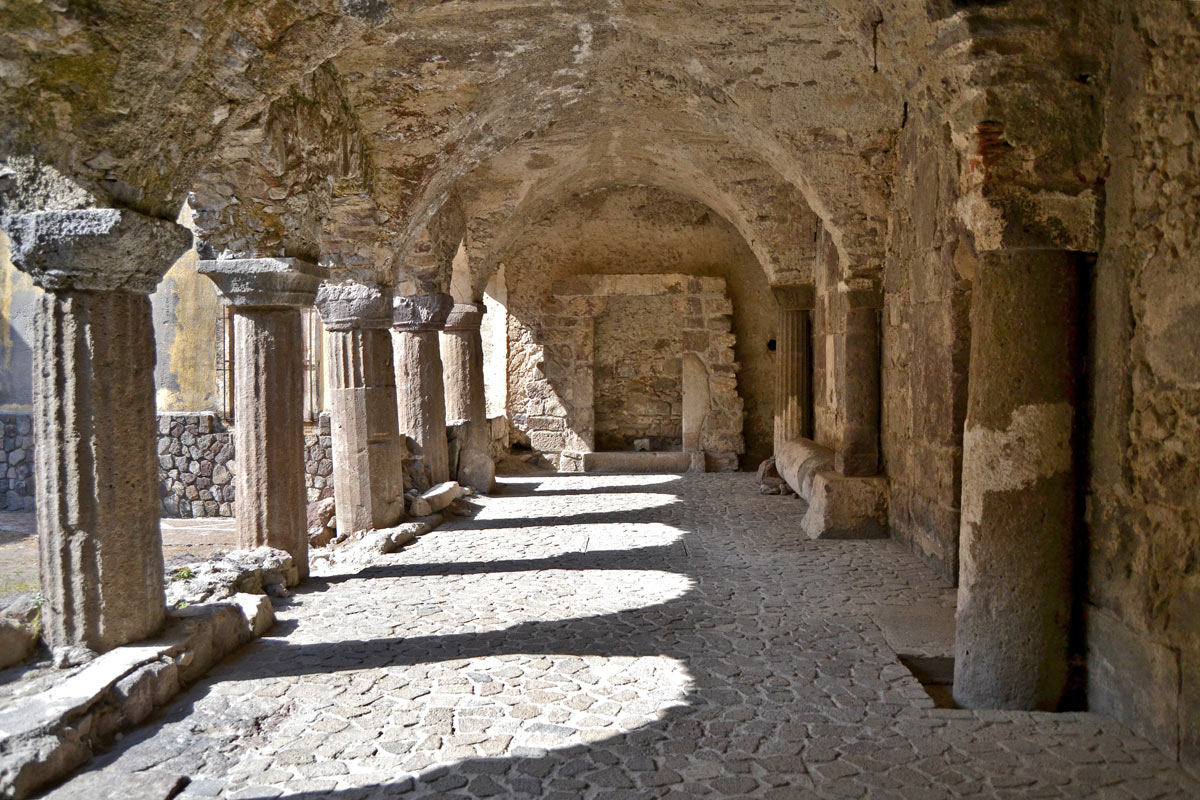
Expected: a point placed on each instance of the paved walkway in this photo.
(619, 636)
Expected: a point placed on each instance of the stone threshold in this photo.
(45, 737)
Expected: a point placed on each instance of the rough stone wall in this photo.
(828, 326)
(639, 373)
(561, 409)
(16, 462)
(318, 460)
(926, 345)
(641, 231)
(1143, 509)
(197, 464)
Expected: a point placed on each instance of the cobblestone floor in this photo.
(617, 636)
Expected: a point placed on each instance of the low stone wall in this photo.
(318, 461)
(16, 462)
(196, 464)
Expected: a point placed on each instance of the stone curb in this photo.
(43, 738)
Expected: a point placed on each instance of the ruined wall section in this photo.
(640, 231)
(639, 373)
(1143, 510)
(926, 344)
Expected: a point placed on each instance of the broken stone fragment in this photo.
(441, 496)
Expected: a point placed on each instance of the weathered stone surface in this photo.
(442, 495)
(264, 282)
(97, 471)
(95, 249)
(17, 641)
(844, 507)
(1018, 500)
(793, 372)
(462, 374)
(419, 386)
(238, 571)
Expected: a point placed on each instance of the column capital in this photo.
(264, 282)
(95, 249)
(466, 317)
(422, 312)
(798, 297)
(354, 306)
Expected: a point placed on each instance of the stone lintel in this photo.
(466, 317)
(264, 282)
(354, 306)
(95, 249)
(799, 297)
(422, 312)
(861, 293)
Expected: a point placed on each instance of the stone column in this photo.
(368, 453)
(462, 353)
(858, 454)
(793, 370)
(266, 295)
(1017, 492)
(419, 388)
(100, 549)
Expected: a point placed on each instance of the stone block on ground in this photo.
(476, 470)
(320, 515)
(44, 736)
(846, 508)
(19, 628)
(248, 571)
(441, 496)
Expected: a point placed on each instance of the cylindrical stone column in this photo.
(857, 454)
(100, 550)
(462, 364)
(266, 295)
(419, 388)
(1017, 485)
(793, 371)
(368, 453)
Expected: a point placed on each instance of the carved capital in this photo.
(264, 282)
(466, 317)
(95, 249)
(354, 306)
(422, 312)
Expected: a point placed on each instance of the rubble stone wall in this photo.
(1143, 511)
(197, 464)
(639, 373)
(634, 232)
(926, 346)
(16, 462)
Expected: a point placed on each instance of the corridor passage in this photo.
(616, 636)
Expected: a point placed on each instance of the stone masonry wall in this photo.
(16, 462)
(639, 374)
(926, 346)
(195, 465)
(1143, 510)
(563, 391)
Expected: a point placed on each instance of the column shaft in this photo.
(97, 474)
(421, 400)
(269, 424)
(368, 454)
(462, 353)
(1017, 495)
(858, 453)
(793, 378)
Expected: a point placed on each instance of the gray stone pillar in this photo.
(860, 367)
(419, 388)
(266, 295)
(368, 453)
(100, 549)
(462, 356)
(793, 370)
(1017, 491)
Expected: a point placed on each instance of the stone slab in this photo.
(638, 462)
